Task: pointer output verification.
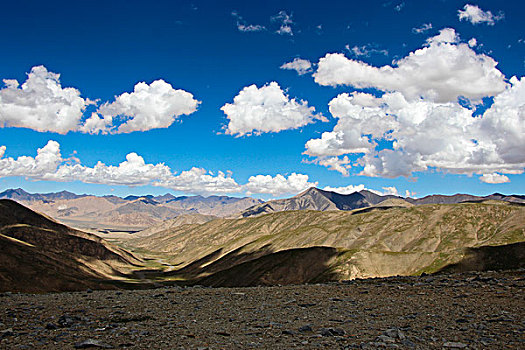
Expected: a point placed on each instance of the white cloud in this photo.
(49, 165)
(425, 134)
(267, 109)
(335, 163)
(278, 185)
(41, 103)
(243, 27)
(152, 106)
(472, 42)
(250, 27)
(494, 178)
(134, 171)
(425, 27)
(285, 23)
(442, 71)
(446, 35)
(301, 66)
(46, 161)
(475, 15)
(360, 121)
(423, 120)
(358, 188)
(198, 180)
(365, 50)
(346, 189)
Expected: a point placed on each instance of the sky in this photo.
(263, 98)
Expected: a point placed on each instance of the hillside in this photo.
(353, 244)
(187, 219)
(38, 254)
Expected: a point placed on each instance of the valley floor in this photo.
(469, 310)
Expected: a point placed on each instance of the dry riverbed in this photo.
(469, 310)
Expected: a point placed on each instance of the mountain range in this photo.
(317, 199)
(132, 213)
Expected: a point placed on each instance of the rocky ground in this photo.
(469, 310)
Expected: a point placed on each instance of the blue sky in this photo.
(216, 50)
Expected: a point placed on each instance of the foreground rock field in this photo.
(469, 310)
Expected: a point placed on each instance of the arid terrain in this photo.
(386, 274)
(449, 311)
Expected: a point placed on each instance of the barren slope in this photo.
(39, 254)
(374, 243)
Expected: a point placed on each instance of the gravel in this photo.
(462, 311)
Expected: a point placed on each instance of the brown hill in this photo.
(187, 219)
(38, 254)
(375, 243)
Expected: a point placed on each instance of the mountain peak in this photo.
(311, 190)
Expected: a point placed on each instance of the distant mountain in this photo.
(186, 219)
(165, 198)
(19, 194)
(134, 198)
(38, 254)
(222, 206)
(317, 199)
(128, 214)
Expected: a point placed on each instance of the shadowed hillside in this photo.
(378, 241)
(486, 258)
(38, 254)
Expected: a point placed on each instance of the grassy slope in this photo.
(373, 243)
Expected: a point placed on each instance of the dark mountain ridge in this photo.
(317, 199)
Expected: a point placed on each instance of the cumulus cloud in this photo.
(423, 29)
(278, 185)
(426, 134)
(346, 189)
(475, 15)
(198, 180)
(134, 171)
(285, 22)
(49, 165)
(442, 71)
(472, 42)
(414, 125)
(152, 106)
(41, 103)
(267, 109)
(301, 66)
(494, 178)
(46, 161)
(335, 163)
